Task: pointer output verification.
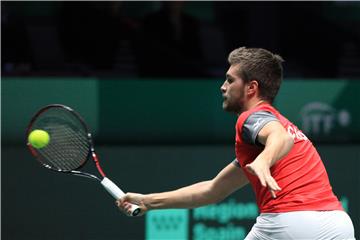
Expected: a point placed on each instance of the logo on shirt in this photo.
(296, 134)
(258, 123)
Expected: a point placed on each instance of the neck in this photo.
(254, 102)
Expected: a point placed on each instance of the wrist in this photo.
(150, 201)
(266, 159)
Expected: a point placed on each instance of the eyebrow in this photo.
(229, 76)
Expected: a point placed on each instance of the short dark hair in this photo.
(260, 65)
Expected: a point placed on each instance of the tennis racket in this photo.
(70, 146)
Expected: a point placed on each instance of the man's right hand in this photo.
(135, 198)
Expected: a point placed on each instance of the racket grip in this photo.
(117, 193)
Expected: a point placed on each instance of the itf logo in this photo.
(320, 118)
(167, 224)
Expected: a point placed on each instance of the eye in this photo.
(230, 80)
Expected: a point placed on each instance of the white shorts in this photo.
(302, 225)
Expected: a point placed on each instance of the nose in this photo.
(223, 87)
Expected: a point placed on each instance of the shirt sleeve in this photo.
(254, 123)
(236, 163)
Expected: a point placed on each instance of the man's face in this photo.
(233, 91)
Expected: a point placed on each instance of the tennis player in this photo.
(290, 182)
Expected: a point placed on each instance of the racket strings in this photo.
(68, 147)
(69, 144)
(55, 155)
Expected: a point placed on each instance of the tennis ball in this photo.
(39, 138)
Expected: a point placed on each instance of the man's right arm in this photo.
(230, 179)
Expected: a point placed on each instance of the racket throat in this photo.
(86, 175)
(97, 164)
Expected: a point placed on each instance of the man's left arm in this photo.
(277, 144)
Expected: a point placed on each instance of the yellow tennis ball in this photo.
(39, 138)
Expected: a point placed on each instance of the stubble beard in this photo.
(237, 108)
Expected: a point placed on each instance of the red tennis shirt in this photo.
(301, 173)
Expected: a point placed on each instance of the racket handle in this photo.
(117, 193)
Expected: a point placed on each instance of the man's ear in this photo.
(252, 87)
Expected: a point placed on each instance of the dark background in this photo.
(147, 82)
(177, 39)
